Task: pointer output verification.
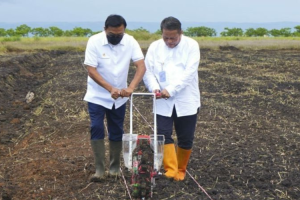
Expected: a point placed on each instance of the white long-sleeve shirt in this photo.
(180, 66)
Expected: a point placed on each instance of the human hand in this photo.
(115, 93)
(165, 94)
(157, 94)
(126, 92)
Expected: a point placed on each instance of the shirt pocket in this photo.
(104, 61)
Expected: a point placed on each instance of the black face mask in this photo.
(114, 39)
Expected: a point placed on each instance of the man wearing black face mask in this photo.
(114, 39)
(107, 57)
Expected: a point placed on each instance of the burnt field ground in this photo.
(247, 142)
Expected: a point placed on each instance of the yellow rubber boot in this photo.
(170, 161)
(183, 157)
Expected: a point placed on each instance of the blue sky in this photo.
(255, 11)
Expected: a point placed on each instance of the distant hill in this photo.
(153, 26)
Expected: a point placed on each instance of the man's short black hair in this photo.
(170, 23)
(115, 21)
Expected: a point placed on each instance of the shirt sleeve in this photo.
(191, 69)
(91, 54)
(149, 78)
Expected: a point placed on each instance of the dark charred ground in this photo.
(246, 143)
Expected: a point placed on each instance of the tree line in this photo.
(202, 31)
(53, 31)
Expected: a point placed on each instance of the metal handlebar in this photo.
(154, 110)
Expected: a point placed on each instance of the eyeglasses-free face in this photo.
(171, 37)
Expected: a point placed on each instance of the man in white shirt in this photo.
(172, 70)
(107, 57)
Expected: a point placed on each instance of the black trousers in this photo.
(184, 128)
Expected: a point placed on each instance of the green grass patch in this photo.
(44, 43)
(10, 39)
(145, 39)
(254, 43)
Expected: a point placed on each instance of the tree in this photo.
(250, 32)
(297, 28)
(68, 33)
(232, 32)
(274, 32)
(286, 32)
(87, 32)
(11, 32)
(141, 29)
(23, 30)
(158, 32)
(40, 32)
(261, 32)
(3, 32)
(139, 34)
(80, 32)
(55, 31)
(137, 31)
(200, 31)
(96, 32)
(297, 32)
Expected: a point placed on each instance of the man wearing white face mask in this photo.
(172, 69)
(107, 57)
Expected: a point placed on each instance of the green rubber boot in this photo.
(98, 148)
(115, 149)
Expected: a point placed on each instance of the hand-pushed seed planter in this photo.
(143, 156)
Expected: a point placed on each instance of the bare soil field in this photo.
(247, 142)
